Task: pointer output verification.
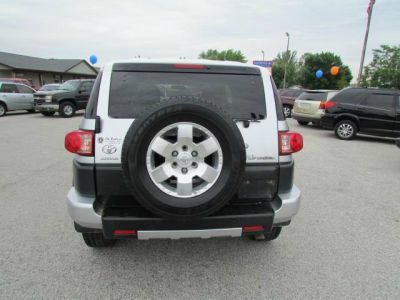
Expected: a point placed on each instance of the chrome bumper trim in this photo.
(47, 107)
(180, 234)
(290, 206)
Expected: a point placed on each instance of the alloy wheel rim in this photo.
(345, 130)
(184, 160)
(68, 110)
(286, 111)
(2, 110)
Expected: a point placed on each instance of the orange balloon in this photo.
(335, 70)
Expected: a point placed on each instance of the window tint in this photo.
(8, 88)
(132, 92)
(297, 93)
(350, 96)
(87, 86)
(382, 101)
(25, 90)
(313, 96)
(278, 103)
(91, 109)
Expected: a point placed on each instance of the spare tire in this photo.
(183, 158)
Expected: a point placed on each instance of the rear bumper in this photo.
(316, 117)
(232, 218)
(327, 122)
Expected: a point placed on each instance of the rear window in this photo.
(133, 92)
(313, 96)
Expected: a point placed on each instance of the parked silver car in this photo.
(15, 96)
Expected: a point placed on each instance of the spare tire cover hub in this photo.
(181, 167)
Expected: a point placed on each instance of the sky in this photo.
(121, 29)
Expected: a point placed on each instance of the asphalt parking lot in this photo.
(345, 242)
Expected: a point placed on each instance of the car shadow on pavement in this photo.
(56, 116)
(197, 253)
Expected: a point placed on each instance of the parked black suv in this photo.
(368, 111)
(71, 96)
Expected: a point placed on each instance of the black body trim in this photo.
(84, 178)
(260, 181)
(286, 177)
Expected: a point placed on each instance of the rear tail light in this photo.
(326, 104)
(80, 142)
(255, 228)
(290, 142)
(189, 66)
(330, 104)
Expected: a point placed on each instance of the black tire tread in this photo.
(268, 236)
(94, 239)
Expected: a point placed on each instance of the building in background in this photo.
(42, 70)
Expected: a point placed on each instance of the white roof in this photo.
(183, 61)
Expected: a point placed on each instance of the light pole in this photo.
(263, 53)
(287, 59)
(360, 71)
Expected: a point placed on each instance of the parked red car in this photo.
(19, 80)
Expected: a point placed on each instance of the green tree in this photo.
(293, 67)
(384, 70)
(230, 54)
(323, 61)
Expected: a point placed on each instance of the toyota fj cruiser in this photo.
(177, 149)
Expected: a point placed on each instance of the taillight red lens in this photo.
(125, 232)
(188, 66)
(330, 104)
(322, 105)
(80, 142)
(290, 142)
(254, 228)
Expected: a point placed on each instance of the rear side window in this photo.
(350, 96)
(380, 101)
(313, 96)
(25, 90)
(91, 109)
(8, 88)
(133, 92)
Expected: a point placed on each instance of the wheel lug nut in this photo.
(194, 153)
(184, 170)
(194, 164)
(174, 164)
(184, 148)
(174, 153)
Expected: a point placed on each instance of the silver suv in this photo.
(182, 149)
(15, 96)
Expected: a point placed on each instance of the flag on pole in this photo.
(370, 5)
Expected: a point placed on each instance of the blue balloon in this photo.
(93, 59)
(319, 73)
